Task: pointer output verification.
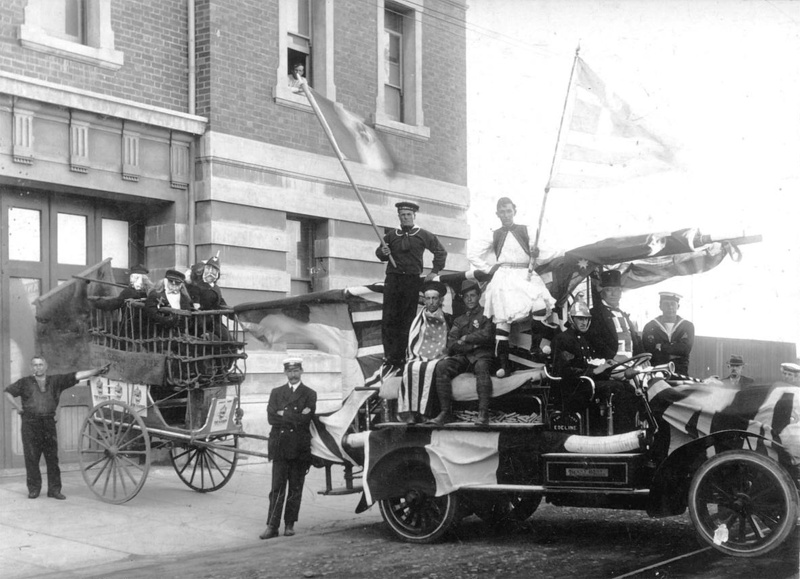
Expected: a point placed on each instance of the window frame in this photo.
(413, 123)
(98, 45)
(319, 65)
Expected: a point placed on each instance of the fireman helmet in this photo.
(579, 310)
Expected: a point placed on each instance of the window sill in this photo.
(37, 39)
(386, 125)
(284, 96)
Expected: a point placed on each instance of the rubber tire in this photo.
(752, 485)
(419, 518)
(505, 510)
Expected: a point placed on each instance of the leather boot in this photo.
(388, 411)
(502, 355)
(446, 403)
(484, 395)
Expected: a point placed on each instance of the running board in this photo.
(540, 489)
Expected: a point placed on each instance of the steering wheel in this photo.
(628, 364)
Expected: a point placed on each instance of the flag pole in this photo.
(553, 162)
(325, 127)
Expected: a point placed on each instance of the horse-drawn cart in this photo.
(175, 388)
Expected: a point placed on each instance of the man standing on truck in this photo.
(470, 348)
(516, 292)
(39, 395)
(406, 246)
(669, 337)
(289, 410)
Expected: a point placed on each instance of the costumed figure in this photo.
(516, 292)
(427, 343)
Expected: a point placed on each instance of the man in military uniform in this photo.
(790, 373)
(406, 246)
(470, 348)
(290, 410)
(612, 330)
(669, 337)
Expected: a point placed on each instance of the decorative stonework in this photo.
(79, 146)
(23, 137)
(131, 170)
(179, 165)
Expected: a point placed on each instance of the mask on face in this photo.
(136, 281)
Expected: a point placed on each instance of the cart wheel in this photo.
(204, 468)
(742, 503)
(420, 518)
(505, 509)
(114, 451)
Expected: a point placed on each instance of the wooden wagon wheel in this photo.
(114, 451)
(206, 468)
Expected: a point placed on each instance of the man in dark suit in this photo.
(290, 410)
(166, 299)
(735, 367)
(612, 331)
(470, 348)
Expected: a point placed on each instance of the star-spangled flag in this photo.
(603, 141)
(356, 140)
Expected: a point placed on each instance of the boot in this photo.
(388, 411)
(502, 355)
(446, 403)
(484, 395)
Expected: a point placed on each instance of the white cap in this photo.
(292, 361)
(670, 296)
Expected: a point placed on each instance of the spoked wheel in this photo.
(114, 451)
(505, 509)
(742, 503)
(206, 468)
(420, 518)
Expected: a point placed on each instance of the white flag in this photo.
(603, 142)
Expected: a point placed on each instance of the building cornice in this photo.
(60, 95)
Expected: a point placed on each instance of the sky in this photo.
(717, 80)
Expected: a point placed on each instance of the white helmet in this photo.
(579, 310)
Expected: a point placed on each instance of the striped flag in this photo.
(604, 142)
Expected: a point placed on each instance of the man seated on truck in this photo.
(470, 348)
(427, 343)
(574, 356)
(169, 297)
(139, 285)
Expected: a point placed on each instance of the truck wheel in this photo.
(742, 503)
(505, 510)
(420, 518)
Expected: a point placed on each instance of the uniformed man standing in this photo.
(669, 338)
(402, 285)
(289, 410)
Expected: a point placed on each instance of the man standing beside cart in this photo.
(290, 410)
(39, 395)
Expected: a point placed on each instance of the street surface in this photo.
(170, 531)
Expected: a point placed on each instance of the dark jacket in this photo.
(603, 333)
(290, 437)
(666, 348)
(478, 333)
(407, 247)
(571, 352)
(209, 297)
(110, 304)
(154, 308)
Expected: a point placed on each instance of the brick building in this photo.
(162, 132)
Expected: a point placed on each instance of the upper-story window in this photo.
(398, 107)
(75, 29)
(305, 42)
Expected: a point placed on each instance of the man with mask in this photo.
(171, 296)
(406, 246)
(139, 285)
(204, 287)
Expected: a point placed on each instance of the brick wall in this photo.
(240, 39)
(151, 33)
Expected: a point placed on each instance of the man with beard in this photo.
(139, 285)
(205, 291)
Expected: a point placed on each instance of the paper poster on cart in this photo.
(221, 413)
(104, 388)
